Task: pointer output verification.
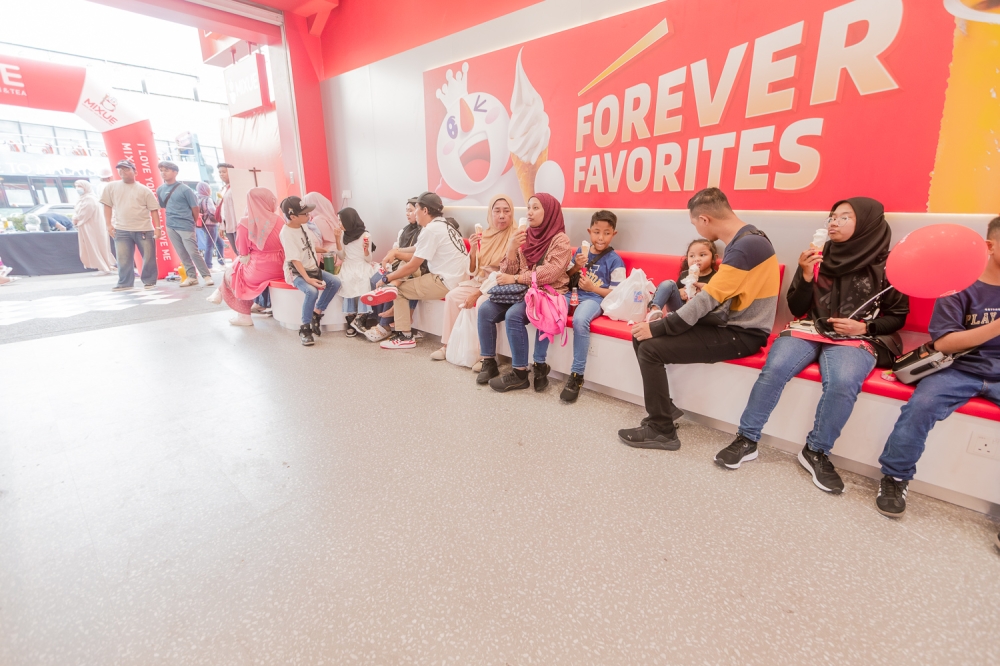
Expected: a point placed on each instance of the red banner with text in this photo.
(785, 105)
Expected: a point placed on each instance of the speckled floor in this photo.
(185, 492)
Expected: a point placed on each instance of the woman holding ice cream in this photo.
(488, 249)
(850, 299)
(542, 249)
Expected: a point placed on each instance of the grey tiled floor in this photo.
(185, 492)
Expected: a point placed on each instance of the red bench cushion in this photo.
(279, 284)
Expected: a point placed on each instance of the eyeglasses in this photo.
(837, 221)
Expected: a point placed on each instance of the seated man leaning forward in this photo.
(730, 318)
(964, 323)
(442, 247)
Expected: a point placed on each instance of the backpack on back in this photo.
(547, 310)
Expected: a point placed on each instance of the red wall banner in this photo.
(785, 105)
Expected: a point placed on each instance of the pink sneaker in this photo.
(654, 315)
(380, 295)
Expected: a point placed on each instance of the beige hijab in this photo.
(494, 244)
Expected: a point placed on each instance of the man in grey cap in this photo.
(136, 224)
(181, 206)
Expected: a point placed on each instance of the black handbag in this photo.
(574, 279)
(508, 294)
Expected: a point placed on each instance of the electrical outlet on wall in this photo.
(592, 351)
(984, 444)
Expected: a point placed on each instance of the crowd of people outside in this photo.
(848, 316)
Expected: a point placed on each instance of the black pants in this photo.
(700, 344)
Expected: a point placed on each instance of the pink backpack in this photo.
(547, 310)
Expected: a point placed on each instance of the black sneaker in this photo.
(489, 371)
(349, 329)
(306, 335)
(823, 473)
(645, 437)
(541, 372)
(514, 380)
(572, 389)
(316, 329)
(891, 499)
(359, 324)
(740, 451)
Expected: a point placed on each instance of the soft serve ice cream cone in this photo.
(968, 153)
(528, 133)
(820, 237)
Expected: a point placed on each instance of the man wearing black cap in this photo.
(442, 247)
(182, 209)
(136, 223)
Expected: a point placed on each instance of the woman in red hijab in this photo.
(261, 256)
(543, 248)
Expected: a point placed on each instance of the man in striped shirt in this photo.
(730, 318)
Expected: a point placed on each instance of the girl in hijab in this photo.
(260, 256)
(324, 217)
(542, 248)
(354, 250)
(488, 250)
(208, 234)
(839, 291)
(88, 218)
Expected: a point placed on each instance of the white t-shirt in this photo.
(298, 244)
(131, 204)
(439, 245)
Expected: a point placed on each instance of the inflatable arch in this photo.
(127, 134)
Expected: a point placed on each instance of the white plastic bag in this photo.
(629, 300)
(463, 346)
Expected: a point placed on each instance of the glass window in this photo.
(72, 196)
(47, 190)
(10, 135)
(39, 138)
(71, 141)
(18, 192)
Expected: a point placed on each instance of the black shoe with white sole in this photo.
(572, 389)
(514, 380)
(823, 473)
(645, 437)
(306, 335)
(891, 499)
(740, 451)
(316, 328)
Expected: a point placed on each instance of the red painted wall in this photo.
(308, 110)
(360, 32)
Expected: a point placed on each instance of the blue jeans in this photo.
(516, 318)
(934, 399)
(668, 296)
(587, 311)
(843, 369)
(310, 304)
(209, 243)
(354, 306)
(379, 309)
(125, 244)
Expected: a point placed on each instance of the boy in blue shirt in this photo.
(598, 272)
(966, 320)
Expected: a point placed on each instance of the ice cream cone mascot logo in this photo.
(472, 142)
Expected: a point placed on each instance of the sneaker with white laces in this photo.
(824, 475)
(399, 340)
(358, 324)
(380, 295)
(209, 282)
(740, 451)
(654, 314)
(891, 499)
(377, 333)
(190, 282)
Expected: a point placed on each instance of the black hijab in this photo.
(853, 271)
(354, 227)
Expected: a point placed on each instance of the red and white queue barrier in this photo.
(126, 131)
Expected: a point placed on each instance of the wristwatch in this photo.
(868, 328)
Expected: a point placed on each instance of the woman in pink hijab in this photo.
(324, 217)
(260, 256)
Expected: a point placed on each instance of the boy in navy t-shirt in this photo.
(601, 269)
(963, 321)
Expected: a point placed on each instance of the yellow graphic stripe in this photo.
(744, 287)
(651, 38)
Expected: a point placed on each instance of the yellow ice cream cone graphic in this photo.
(526, 172)
(966, 176)
(528, 133)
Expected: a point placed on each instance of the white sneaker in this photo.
(439, 355)
(209, 281)
(241, 320)
(654, 315)
(216, 297)
(376, 333)
(190, 282)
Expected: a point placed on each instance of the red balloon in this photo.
(936, 261)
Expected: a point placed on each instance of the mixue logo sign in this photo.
(105, 108)
(10, 80)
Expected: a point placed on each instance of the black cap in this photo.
(294, 206)
(127, 164)
(224, 164)
(431, 202)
